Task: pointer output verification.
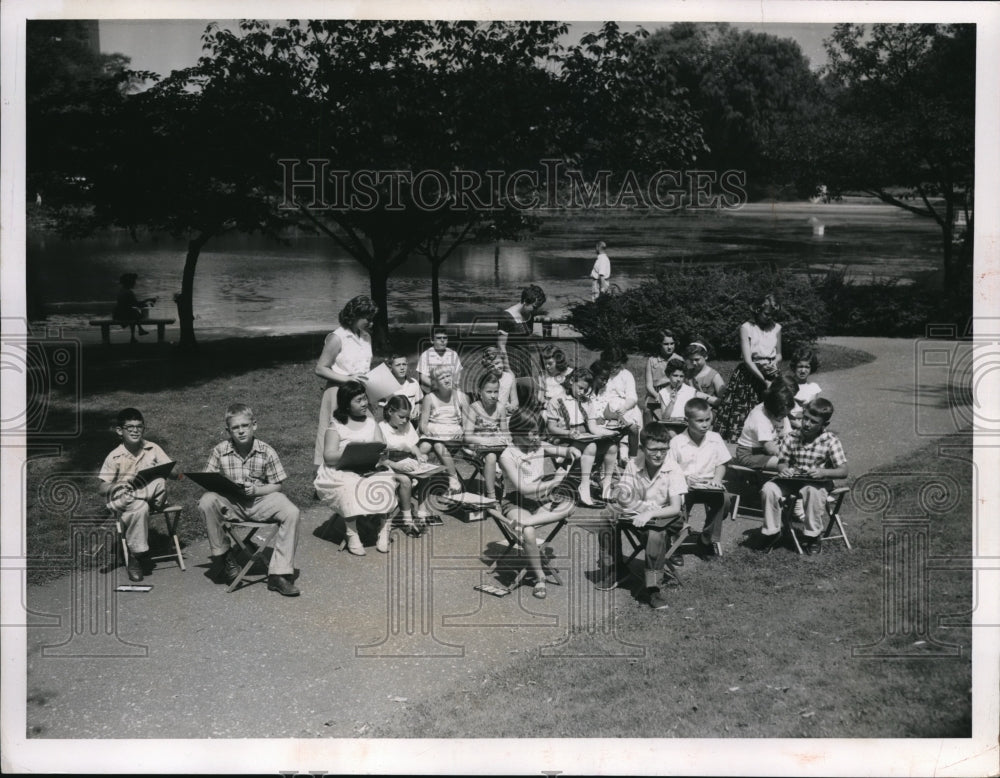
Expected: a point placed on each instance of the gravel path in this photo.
(370, 634)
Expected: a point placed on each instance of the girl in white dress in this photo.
(441, 421)
(402, 453)
(351, 494)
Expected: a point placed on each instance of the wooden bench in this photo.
(107, 324)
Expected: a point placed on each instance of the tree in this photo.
(427, 123)
(182, 161)
(71, 90)
(901, 124)
(747, 87)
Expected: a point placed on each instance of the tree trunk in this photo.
(435, 291)
(947, 234)
(379, 282)
(185, 300)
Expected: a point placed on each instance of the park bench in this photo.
(107, 324)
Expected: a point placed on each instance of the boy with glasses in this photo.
(130, 501)
(649, 495)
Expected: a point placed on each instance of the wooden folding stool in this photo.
(513, 544)
(268, 531)
(834, 499)
(171, 515)
(624, 529)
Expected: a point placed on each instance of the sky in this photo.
(162, 45)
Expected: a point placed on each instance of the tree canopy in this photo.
(900, 123)
(391, 138)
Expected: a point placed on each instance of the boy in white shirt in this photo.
(437, 355)
(601, 272)
(702, 455)
(408, 387)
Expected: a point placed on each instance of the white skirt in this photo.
(350, 495)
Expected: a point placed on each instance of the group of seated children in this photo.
(587, 415)
(243, 458)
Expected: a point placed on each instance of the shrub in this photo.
(710, 302)
(881, 307)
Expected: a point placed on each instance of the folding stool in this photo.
(268, 531)
(171, 515)
(513, 544)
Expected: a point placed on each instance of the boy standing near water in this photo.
(255, 466)
(601, 272)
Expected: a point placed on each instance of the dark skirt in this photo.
(743, 392)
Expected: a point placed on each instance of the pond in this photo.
(261, 286)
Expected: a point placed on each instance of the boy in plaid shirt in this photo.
(808, 452)
(253, 465)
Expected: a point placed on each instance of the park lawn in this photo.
(183, 399)
(752, 646)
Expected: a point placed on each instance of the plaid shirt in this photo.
(261, 465)
(825, 451)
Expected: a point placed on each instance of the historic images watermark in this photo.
(312, 184)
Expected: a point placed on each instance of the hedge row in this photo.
(712, 302)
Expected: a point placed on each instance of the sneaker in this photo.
(812, 546)
(355, 546)
(134, 568)
(657, 601)
(382, 542)
(761, 542)
(281, 585)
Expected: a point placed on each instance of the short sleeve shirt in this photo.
(121, 462)
(565, 411)
(405, 440)
(261, 466)
(758, 429)
(638, 492)
(411, 390)
(602, 267)
(699, 460)
(825, 451)
(431, 359)
(528, 465)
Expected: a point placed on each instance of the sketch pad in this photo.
(154, 472)
(216, 482)
(361, 456)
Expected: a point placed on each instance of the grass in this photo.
(751, 647)
(183, 399)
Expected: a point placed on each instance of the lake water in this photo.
(252, 284)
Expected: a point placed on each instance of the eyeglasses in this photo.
(133, 427)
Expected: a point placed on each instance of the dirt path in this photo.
(370, 634)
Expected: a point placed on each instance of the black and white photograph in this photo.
(447, 389)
